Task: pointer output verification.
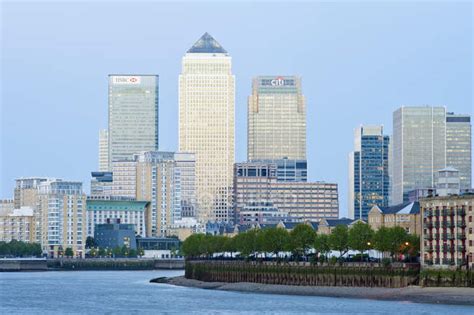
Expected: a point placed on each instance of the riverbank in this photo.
(416, 294)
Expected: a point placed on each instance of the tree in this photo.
(69, 252)
(141, 252)
(117, 252)
(132, 253)
(246, 242)
(102, 252)
(90, 242)
(301, 239)
(275, 240)
(382, 240)
(93, 252)
(321, 244)
(360, 237)
(338, 239)
(192, 245)
(397, 236)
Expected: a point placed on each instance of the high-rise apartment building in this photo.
(369, 179)
(133, 116)
(17, 224)
(459, 146)
(124, 174)
(276, 119)
(419, 149)
(186, 166)
(206, 124)
(103, 150)
(26, 190)
(158, 181)
(61, 217)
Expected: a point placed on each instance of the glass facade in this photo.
(133, 115)
(458, 146)
(369, 176)
(276, 119)
(289, 170)
(419, 149)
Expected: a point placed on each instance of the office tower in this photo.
(206, 124)
(101, 184)
(289, 170)
(186, 165)
(103, 150)
(158, 181)
(276, 119)
(62, 217)
(256, 184)
(368, 171)
(458, 146)
(133, 115)
(124, 175)
(419, 149)
(126, 211)
(448, 182)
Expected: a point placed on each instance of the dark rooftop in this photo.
(207, 44)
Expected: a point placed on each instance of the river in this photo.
(112, 292)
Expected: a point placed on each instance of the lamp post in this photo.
(368, 250)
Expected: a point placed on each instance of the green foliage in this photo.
(339, 239)
(16, 248)
(322, 244)
(69, 252)
(382, 239)
(102, 252)
(360, 236)
(90, 242)
(275, 240)
(301, 239)
(397, 237)
(192, 245)
(246, 243)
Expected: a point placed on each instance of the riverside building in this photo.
(368, 171)
(133, 116)
(405, 215)
(206, 124)
(448, 231)
(17, 224)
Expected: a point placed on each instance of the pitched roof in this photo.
(207, 44)
(341, 221)
(405, 208)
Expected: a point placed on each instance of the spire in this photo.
(207, 44)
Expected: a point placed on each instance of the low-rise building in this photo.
(115, 234)
(447, 233)
(159, 247)
(405, 215)
(326, 226)
(17, 224)
(127, 211)
(185, 227)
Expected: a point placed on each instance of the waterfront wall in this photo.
(447, 278)
(361, 275)
(114, 264)
(23, 265)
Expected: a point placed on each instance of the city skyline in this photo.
(320, 151)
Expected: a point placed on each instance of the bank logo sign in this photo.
(126, 80)
(277, 81)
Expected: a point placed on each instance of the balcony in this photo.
(428, 237)
(445, 212)
(461, 248)
(436, 212)
(429, 249)
(461, 236)
(462, 223)
(447, 248)
(447, 261)
(429, 213)
(436, 225)
(461, 212)
(429, 225)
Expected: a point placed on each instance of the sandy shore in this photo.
(460, 296)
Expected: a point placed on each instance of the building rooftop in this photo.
(405, 208)
(207, 44)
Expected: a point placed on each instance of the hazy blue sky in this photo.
(359, 61)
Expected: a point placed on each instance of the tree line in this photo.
(16, 248)
(302, 241)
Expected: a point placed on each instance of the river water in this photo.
(113, 292)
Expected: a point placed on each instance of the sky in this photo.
(359, 62)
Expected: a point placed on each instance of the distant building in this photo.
(260, 212)
(17, 224)
(289, 170)
(61, 217)
(101, 183)
(186, 166)
(133, 116)
(369, 179)
(276, 119)
(206, 124)
(124, 178)
(104, 150)
(115, 234)
(26, 191)
(459, 146)
(126, 211)
(6, 206)
(416, 194)
(419, 149)
(185, 227)
(326, 226)
(448, 182)
(406, 216)
(256, 182)
(448, 231)
(159, 247)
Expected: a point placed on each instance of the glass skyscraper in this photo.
(419, 149)
(458, 146)
(133, 116)
(369, 179)
(276, 119)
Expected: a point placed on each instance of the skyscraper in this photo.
(368, 171)
(276, 119)
(103, 150)
(186, 166)
(133, 115)
(206, 124)
(458, 146)
(419, 149)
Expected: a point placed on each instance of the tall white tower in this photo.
(206, 124)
